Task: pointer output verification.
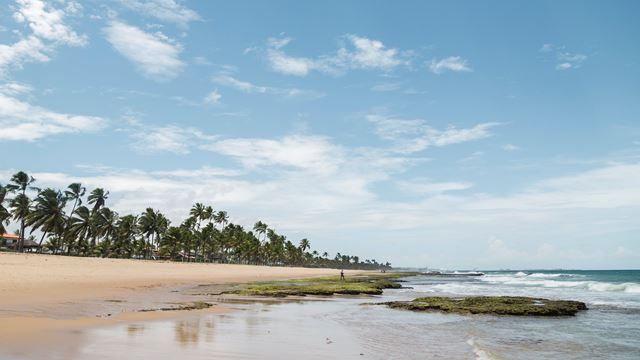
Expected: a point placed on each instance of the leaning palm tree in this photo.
(4, 213)
(98, 198)
(75, 193)
(48, 214)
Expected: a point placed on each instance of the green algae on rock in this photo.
(323, 286)
(497, 305)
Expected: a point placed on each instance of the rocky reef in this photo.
(496, 305)
(372, 284)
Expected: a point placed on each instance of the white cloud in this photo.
(20, 120)
(48, 31)
(47, 22)
(313, 153)
(165, 10)
(15, 88)
(170, 138)
(510, 147)
(226, 79)
(30, 49)
(428, 186)
(358, 53)
(570, 60)
(564, 60)
(416, 135)
(155, 55)
(369, 54)
(213, 97)
(452, 63)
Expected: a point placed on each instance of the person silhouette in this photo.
(341, 274)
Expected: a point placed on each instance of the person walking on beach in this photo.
(341, 274)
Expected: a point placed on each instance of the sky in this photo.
(447, 134)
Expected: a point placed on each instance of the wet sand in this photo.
(42, 294)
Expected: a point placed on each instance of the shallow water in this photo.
(354, 328)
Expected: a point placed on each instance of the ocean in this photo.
(358, 328)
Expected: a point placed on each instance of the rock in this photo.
(497, 305)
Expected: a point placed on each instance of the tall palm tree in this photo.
(199, 212)
(222, 218)
(260, 228)
(4, 213)
(48, 213)
(19, 183)
(98, 198)
(74, 193)
(20, 208)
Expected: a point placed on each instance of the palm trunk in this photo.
(21, 241)
(40, 243)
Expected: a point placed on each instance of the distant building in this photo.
(10, 241)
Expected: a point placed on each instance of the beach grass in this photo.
(497, 305)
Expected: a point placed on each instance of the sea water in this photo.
(358, 328)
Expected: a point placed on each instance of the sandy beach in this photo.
(41, 293)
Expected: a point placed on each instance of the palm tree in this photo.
(222, 218)
(98, 198)
(260, 228)
(20, 208)
(199, 212)
(304, 245)
(106, 227)
(82, 225)
(20, 182)
(151, 224)
(4, 213)
(48, 213)
(75, 193)
(127, 229)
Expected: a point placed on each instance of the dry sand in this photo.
(43, 293)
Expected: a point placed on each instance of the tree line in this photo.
(93, 229)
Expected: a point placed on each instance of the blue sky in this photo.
(456, 134)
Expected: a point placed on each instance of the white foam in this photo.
(480, 353)
(544, 276)
(542, 281)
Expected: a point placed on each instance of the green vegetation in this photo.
(196, 305)
(95, 230)
(497, 305)
(324, 286)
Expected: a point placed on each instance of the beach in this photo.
(40, 294)
(91, 308)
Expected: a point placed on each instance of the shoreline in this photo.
(42, 294)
